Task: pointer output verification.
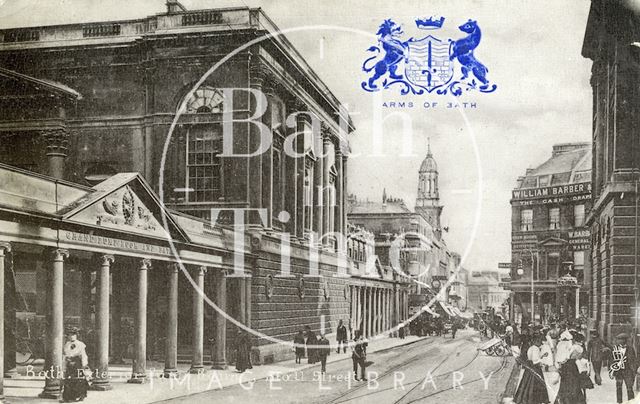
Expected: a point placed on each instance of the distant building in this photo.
(411, 241)
(549, 236)
(610, 41)
(484, 291)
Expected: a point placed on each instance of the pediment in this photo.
(553, 242)
(125, 203)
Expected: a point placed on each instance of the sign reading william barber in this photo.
(553, 194)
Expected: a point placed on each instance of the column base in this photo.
(169, 372)
(101, 385)
(220, 365)
(138, 379)
(197, 369)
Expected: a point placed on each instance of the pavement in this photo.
(26, 387)
(603, 394)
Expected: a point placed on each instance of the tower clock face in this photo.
(205, 100)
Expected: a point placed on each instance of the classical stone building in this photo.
(257, 219)
(550, 238)
(411, 240)
(611, 42)
(485, 293)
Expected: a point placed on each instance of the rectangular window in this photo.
(578, 215)
(554, 218)
(203, 164)
(544, 180)
(308, 198)
(526, 220)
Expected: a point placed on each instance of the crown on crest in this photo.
(430, 23)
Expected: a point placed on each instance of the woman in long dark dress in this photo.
(570, 391)
(532, 388)
(75, 384)
(243, 352)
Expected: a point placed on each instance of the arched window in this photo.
(205, 100)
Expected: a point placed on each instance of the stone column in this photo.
(326, 194)
(55, 322)
(198, 322)
(219, 360)
(247, 294)
(139, 368)
(370, 314)
(356, 313)
(242, 298)
(171, 343)
(256, 81)
(4, 248)
(376, 311)
(385, 310)
(300, 167)
(339, 213)
(318, 183)
(57, 144)
(577, 312)
(101, 382)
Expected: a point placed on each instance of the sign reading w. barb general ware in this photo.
(428, 64)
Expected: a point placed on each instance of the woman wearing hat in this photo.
(75, 384)
(571, 391)
(532, 388)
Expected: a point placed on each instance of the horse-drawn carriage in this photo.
(495, 347)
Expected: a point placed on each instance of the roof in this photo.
(566, 161)
(44, 84)
(379, 208)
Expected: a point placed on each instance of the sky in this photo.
(531, 48)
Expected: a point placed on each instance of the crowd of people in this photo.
(562, 352)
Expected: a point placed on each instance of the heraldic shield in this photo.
(428, 64)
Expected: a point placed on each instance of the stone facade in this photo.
(611, 43)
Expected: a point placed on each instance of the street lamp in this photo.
(521, 272)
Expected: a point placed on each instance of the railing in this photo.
(202, 18)
(21, 35)
(101, 30)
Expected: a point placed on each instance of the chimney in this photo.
(174, 7)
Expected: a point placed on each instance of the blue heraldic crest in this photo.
(428, 64)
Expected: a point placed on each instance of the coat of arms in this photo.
(427, 64)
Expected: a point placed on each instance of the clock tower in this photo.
(428, 199)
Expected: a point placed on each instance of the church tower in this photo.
(428, 199)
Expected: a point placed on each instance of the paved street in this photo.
(434, 370)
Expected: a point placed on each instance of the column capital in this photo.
(201, 270)
(145, 264)
(173, 267)
(270, 84)
(58, 254)
(56, 141)
(5, 247)
(106, 259)
(257, 74)
(327, 132)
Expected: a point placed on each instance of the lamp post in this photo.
(521, 272)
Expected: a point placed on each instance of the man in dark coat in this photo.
(243, 352)
(312, 340)
(323, 352)
(341, 337)
(596, 351)
(623, 366)
(359, 356)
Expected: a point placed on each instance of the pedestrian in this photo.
(76, 363)
(299, 342)
(570, 390)
(243, 352)
(532, 388)
(454, 328)
(323, 352)
(596, 351)
(508, 334)
(582, 363)
(341, 337)
(311, 342)
(623, 366)
(525, 343)
(359, 355)
(400, 332)
(563, 349)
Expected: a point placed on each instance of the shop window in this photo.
(578, 215)
(526, 220)
(554, 218)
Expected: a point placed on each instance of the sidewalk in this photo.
(604, 394)
(23, 389)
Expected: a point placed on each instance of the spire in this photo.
(428, 146)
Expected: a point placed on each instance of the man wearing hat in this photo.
(623, 366)
(596, 351)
